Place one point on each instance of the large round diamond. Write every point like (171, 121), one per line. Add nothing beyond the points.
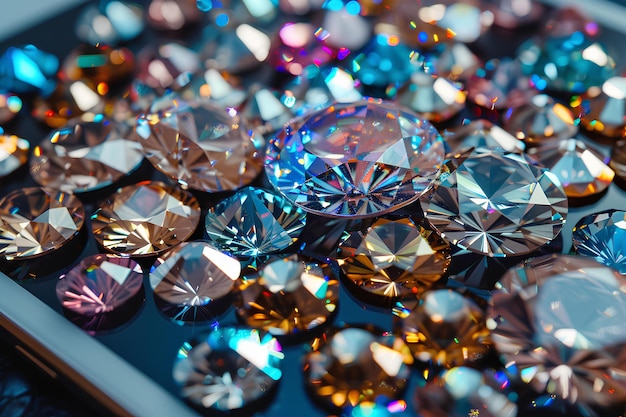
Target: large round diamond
(355, 160)
(496, 204)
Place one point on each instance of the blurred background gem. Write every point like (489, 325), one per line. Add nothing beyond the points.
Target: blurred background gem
(166, 65)
(565, 21)
(84, 156)
(466, 20)
(603, 110)
(296, 49)
(97, 63)
(343, 27)
(173, 14)
(580, 168)
(27, 69)
(227, 14)
(71, 99)
(13, 153)
(512, 14)
(434, 98)
(222, 88)
(541, 119)
(111, 23)
(10, 106)
(499, 84)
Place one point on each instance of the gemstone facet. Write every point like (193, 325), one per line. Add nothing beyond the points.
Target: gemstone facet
(355, 160)
(447, 329)
(193, 275)
(538, 326)
(356, 365)
(99, 284)
(602, 236)
(85, 156)
(201, 146)
(394, 259)
(289, 296)
(145, 219)
(229, 368)
(34, 221)
(496, 204)
(254, 222)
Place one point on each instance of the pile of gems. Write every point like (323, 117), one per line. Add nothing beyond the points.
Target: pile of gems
(418, 157)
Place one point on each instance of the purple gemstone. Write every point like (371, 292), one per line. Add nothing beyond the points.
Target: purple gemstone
(99, 284)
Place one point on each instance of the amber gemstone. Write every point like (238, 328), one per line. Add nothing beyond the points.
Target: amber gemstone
(71, 99)
(34, 221)
(145, 219)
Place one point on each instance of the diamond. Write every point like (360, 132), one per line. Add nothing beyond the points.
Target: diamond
(466, 392)
(264, 110)
(10, 106)
(539, 327)
(541, 119)
(166, 65)
(13, 153)
(85, 156)
(298, 49)
(434, 98)
(602, 236)
(97, 63)
(482, 134)
(499, 84)
(289, 296)
(343, 30)
(228, 369)
(72, 99)
(513, 14)
(145, 219)
(355, 160)
(356, 365)
(446, 329)
(99, 284)
(192, 276)
(496, 204)
(466, 21)
(221, 88)
(602, 110)
(117, 21)
(254, 222)
(202, 146)
(394, 258)
(173, 14)
(579, 167)
(34, 221)
(454, 60)
(569, 64)
(28, 70)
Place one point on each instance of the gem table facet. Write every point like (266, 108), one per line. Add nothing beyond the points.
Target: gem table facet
(355, 160)
(602, 236)
(394, 259)
(13, 153)
(145, 219)
(228, 369)
(202, 146)
(85, 156)
(496, 204)
(254, 222)
(35, 221)
(447, 329)
(539, 326)
(289, 296)
(99, 284)
(194, 274)
(356, 365)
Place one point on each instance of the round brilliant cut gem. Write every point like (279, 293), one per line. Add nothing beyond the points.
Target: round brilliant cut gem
(603, 110)
(202, 146)
(496, 204)
(85, 156)
(355, 160)
(482, 134)
(541, 119)
(499, 84)
(228, 369)
(394, 258)
(194, 274)
(434, 98)
(145, 219)
(35, 221)
(289, 296)
(13, 153)
(99, 284)
(254, 222)
(579, 167)
(356, 365)
(539, 327)
(602, 236)
(446, 329)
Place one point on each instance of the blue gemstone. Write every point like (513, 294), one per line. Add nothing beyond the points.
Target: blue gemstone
(602, 236)
(254, 222)
(28, 70)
